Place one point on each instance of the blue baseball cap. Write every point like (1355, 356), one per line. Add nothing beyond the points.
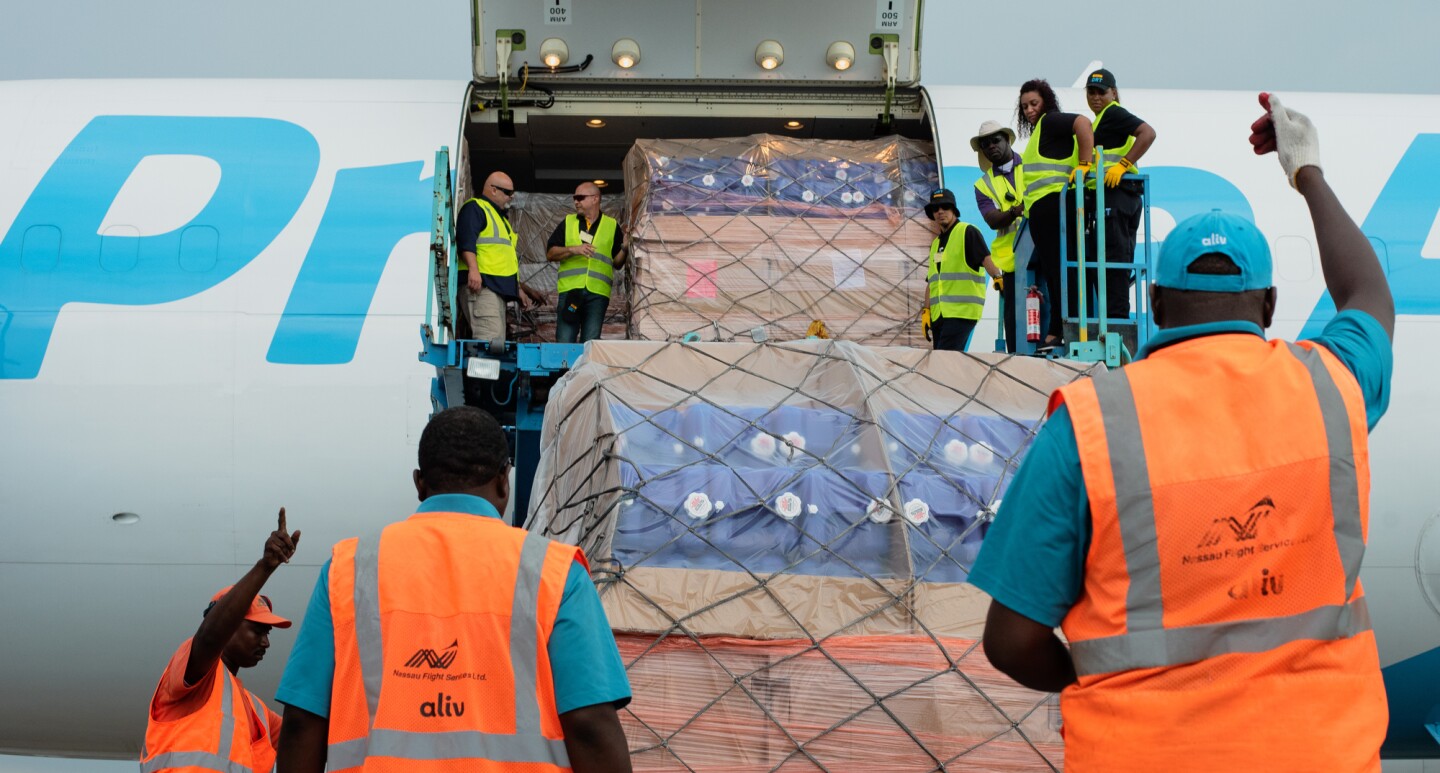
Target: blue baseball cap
(1215, 232)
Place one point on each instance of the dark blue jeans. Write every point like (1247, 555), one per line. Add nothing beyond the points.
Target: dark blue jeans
(579, 316)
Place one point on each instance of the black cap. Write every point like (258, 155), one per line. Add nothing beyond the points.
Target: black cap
(1100, 79)
(938, 198)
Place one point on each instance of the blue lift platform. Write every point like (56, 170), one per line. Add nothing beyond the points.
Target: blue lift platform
(1107, 345)
(509, 379)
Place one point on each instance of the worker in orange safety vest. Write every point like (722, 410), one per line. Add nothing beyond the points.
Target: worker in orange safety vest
(451, 641)
(201, 716)
(1195, 521)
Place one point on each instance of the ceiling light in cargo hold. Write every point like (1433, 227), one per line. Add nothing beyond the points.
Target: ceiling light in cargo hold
(794, 125)
(599, 183)
(840, 55)
(769, 54)
(595, 123)
(625, 53)
(554, 52)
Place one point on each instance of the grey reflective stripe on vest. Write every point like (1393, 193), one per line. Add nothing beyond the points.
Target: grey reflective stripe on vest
(210, 761)
(1134, 503)
(524, 642)
(959, 276)
(260, 712)
(367, 621)
(204, 760)
(492, 240)
(1174, 646)
(1150, 644)
(1344, 481)
(939, 299)
(1060, 177)
(583, 272)
(456, 745)
(526, 745)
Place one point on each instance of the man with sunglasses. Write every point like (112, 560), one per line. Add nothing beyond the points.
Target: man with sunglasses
(959, 261)
(589, 247)
(201, 716)
(489, 271)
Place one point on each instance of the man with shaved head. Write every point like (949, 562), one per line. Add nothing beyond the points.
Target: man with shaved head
(490, 266)
(589, 247)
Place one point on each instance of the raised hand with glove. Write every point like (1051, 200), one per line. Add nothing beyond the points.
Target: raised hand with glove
(1287, 132)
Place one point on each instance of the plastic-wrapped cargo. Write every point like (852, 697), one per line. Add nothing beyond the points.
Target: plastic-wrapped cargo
(772, 232)
(781, 534)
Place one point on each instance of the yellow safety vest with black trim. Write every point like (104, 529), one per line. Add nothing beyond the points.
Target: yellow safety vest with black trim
(1113, 155)
(1040, 175)
(495, 246)
(596, 274)
(998, 189)
(956, 290)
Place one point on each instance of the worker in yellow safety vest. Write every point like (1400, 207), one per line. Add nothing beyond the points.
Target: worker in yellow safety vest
(1196, 521)
(489, 270)
(1061, 146)
(1125, 139)
(956, 275)
(589, 246)
(1002, 207)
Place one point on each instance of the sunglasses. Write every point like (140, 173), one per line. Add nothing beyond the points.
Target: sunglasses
(583, 196)
(506, 191)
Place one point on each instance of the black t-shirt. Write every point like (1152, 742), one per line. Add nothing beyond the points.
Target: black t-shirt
(1057, 134)
(976, 250)
(557, 237)
(1116, 128)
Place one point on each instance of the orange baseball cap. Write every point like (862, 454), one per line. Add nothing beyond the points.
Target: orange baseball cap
(261, 610)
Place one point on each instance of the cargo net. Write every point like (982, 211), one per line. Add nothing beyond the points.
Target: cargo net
(760, 236)
(781, 535)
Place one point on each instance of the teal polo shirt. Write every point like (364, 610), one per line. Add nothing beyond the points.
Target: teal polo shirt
(584, 662)
(1033, 558)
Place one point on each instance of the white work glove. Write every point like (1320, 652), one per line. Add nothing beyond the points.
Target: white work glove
(1287, 132)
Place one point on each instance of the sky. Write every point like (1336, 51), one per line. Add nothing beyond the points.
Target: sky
(1282, 45)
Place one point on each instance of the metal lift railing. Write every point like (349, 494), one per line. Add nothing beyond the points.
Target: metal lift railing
(1108, 346)
(498, 375)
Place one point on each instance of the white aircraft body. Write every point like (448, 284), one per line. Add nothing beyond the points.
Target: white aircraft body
(210, 300)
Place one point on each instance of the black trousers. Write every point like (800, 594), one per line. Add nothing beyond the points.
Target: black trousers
(1011, 297)
(951, 335)
(1124, 207)
(1045, 260)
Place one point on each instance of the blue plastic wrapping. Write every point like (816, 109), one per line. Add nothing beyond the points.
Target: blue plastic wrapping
(736, 463)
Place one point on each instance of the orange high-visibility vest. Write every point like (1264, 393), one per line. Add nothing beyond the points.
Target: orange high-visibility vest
(215, 737)
(1222, 625)
(441, 661)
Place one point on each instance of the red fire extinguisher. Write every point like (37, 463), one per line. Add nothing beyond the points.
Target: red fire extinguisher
(1032, 316)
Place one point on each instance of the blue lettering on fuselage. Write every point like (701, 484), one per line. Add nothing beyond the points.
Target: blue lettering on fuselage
(1398, 225)
(53, 254)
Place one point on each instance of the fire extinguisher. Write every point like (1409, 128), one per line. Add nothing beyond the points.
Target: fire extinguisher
(1032, 316)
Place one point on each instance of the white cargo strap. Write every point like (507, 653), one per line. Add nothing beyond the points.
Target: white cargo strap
(1150, 644)
(527, 744)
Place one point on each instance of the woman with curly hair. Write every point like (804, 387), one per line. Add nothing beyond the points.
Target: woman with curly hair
(1060, 145)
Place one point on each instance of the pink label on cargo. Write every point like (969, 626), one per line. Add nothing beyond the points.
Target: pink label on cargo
(697, 279)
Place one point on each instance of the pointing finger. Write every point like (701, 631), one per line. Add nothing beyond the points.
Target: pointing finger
(282, 521)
